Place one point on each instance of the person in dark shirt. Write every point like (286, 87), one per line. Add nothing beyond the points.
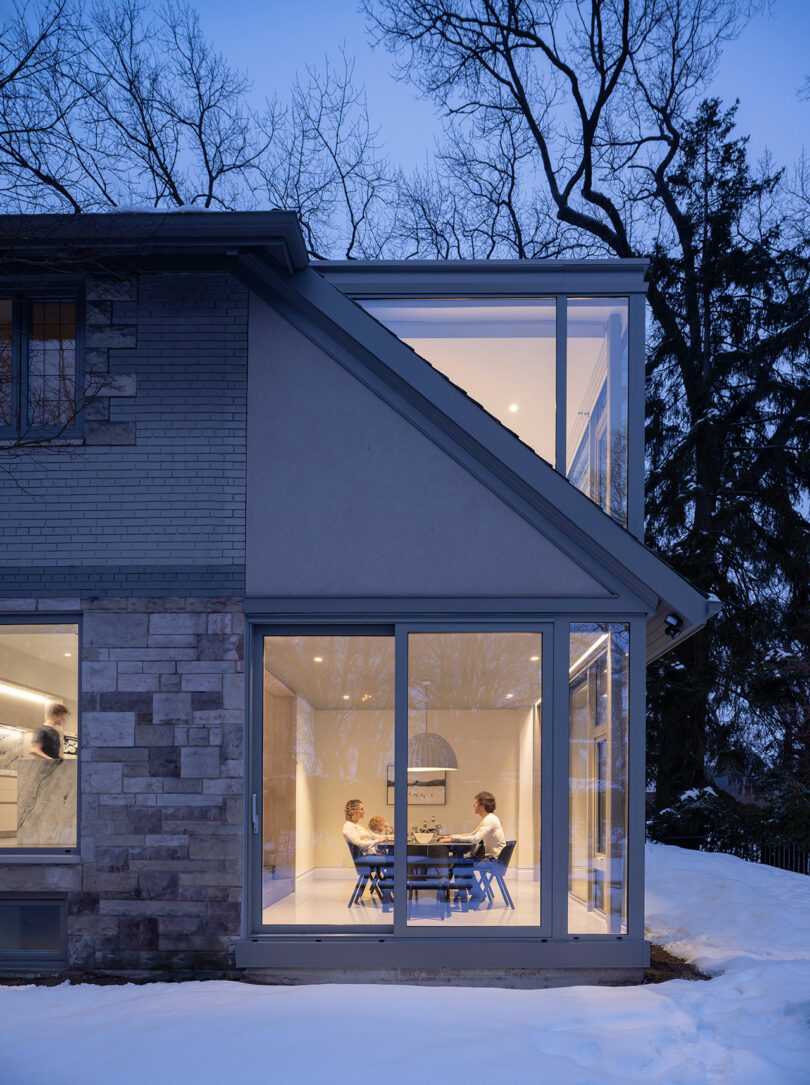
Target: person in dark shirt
(48, 741)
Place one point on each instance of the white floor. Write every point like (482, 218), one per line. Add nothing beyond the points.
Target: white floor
(321, 899)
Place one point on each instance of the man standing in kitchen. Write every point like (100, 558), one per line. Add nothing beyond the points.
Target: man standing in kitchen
(48, 741)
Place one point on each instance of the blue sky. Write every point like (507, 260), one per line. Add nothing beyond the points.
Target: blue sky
(272, 40)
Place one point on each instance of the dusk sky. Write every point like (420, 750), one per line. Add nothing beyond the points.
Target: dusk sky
(764, 68)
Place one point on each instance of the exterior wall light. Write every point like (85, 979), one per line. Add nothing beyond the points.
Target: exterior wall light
(673, 625)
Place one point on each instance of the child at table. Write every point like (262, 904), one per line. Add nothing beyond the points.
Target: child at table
(379, 826)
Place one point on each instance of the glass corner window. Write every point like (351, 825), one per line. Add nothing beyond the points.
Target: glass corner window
(597, 788)
(38, 735)
(596, 401)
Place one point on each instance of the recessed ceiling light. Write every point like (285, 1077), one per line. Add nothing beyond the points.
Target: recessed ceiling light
(509, 696)
(317, 659)
(345, 697)
(513, 407)
(534, 659)
(68, 653)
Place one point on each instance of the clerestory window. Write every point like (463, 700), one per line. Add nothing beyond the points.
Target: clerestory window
(553, 370)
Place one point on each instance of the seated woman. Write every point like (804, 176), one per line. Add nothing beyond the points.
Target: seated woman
(356, 833)
(489, 831)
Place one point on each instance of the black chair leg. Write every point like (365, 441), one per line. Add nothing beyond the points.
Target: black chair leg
(507, 896)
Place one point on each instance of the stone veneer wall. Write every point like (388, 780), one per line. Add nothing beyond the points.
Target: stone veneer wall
(159, 882)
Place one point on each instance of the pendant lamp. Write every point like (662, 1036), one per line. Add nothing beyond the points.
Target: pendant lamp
(429, 751)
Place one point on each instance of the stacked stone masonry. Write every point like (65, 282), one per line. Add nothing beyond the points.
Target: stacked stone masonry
(158, 885)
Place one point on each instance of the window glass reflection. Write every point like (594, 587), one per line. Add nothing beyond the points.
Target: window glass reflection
(596, 401)
(501, 351)
(597, 797)
(328, 739)
(38, 735)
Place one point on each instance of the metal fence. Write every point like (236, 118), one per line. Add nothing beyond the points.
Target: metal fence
(784, 856)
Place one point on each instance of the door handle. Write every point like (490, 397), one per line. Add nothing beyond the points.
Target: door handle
(255, 813)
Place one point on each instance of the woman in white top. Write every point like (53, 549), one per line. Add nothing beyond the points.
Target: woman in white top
(356, 833)
(489, 830)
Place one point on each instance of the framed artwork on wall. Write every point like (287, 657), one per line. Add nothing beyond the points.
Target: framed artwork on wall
(424, 788)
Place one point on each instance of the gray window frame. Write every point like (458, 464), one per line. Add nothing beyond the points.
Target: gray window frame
(553, 928)
(39, 617)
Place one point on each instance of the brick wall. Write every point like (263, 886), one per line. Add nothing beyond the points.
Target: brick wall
(159, 882)
(155, 492)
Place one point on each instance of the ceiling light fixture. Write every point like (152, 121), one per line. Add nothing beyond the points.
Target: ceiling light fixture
(346, 697)
(534, 659)
(509, 696)
(588, 652)
(513, 407)
(317, 659)
(24, 694)
(429, 751)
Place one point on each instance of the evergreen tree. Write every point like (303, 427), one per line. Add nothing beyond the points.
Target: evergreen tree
(727, 428)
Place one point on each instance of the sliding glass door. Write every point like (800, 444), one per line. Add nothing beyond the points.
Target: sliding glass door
(475, 709)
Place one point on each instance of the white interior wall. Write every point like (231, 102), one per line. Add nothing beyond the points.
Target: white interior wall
(344, 755)
(305, 825)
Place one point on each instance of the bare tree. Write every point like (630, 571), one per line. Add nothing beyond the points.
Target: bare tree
(593, 106)
(326, 166)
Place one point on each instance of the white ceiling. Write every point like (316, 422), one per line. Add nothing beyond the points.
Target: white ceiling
(451, 670)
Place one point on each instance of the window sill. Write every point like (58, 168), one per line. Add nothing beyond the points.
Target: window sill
(7, 858)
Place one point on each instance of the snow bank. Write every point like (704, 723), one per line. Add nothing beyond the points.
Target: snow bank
(750, 1024)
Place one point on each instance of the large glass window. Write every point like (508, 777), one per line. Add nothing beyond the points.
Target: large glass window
(597, 798)
(596, 401)
(474, 726)
(38, 735)
(501, 351)
(328, 748)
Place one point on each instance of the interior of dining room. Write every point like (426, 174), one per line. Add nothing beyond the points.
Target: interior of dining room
(328, 738)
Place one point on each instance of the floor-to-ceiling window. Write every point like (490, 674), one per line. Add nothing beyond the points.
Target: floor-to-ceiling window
(597, 799)
(326, 821)
(327, 744)
(474, 732)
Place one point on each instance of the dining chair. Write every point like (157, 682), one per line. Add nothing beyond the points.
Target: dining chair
(495, 870)
(370, 871)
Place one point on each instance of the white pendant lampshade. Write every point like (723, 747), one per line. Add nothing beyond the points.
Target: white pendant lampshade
(430, 751)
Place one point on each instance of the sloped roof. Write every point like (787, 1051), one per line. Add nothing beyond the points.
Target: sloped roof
(499, 457)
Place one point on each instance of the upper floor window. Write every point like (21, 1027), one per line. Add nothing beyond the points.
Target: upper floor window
(501, 351)
(38, 365)
(504, 353)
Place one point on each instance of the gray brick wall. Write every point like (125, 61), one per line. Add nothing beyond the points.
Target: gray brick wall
(156, 493)
(159, 883)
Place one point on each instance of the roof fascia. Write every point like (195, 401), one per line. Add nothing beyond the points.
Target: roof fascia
(276, 234)
(479, 278)
(464, 430)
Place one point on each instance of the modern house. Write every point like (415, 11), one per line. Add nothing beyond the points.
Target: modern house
(280, 535)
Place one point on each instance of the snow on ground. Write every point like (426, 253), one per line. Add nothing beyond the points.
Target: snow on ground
(748, 925)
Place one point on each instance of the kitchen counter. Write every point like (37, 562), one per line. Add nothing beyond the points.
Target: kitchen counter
(46, 803)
